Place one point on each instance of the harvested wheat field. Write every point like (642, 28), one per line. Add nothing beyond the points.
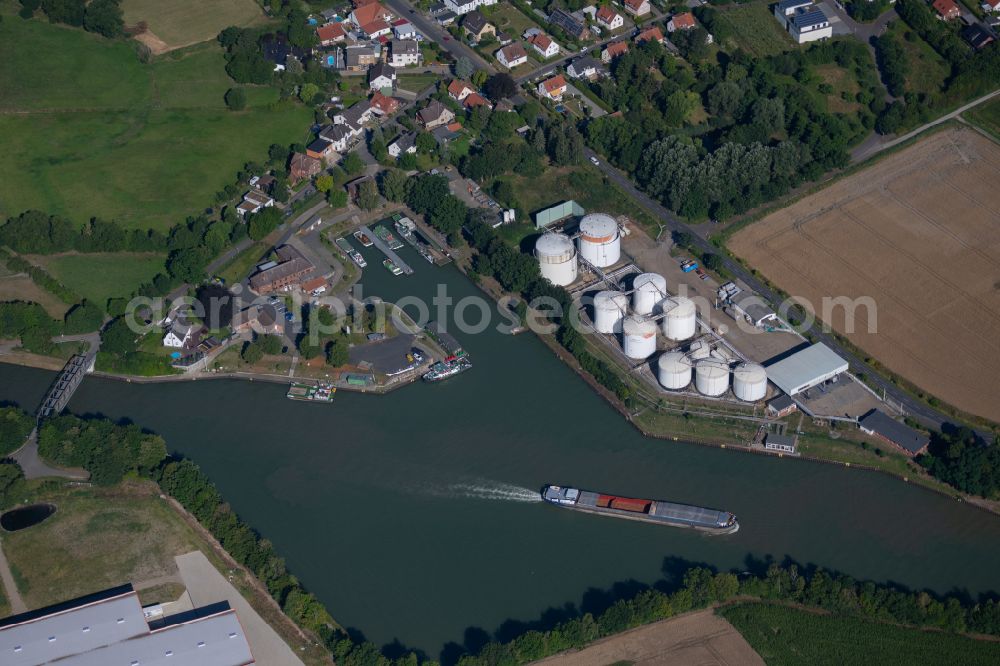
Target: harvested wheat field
(919, 233)
(179, 23)
(701, 638)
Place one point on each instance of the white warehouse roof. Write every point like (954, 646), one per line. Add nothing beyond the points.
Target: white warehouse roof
(805, 369)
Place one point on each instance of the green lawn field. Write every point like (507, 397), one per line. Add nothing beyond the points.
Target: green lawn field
(183, 22)
(755, 30)
(987, 116)
(101, 276)
(90, 131)
(783, 635)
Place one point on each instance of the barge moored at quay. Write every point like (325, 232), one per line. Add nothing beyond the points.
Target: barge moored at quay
(711, 521)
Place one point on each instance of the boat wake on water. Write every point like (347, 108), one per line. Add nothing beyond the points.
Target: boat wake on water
(487, 490)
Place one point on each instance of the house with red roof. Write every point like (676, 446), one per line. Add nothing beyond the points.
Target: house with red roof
(383, 105)
(683, 21)
(367, 14)
(330, 33)
(459, 90)
(636, 7)
(612, 20)
(653, 34)
(553, 88)
(545, 45)
(613, 50)
(947, 9)
(473, 100)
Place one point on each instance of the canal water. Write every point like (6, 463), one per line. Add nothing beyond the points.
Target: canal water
(414, 516)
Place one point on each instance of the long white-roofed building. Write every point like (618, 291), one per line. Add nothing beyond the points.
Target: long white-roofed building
(109, 628)
(805, 369)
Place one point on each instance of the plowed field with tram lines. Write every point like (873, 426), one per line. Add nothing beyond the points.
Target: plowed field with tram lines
(919, 233)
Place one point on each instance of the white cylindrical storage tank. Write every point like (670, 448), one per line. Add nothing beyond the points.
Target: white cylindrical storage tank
(556, 258)
(639, 337)
(711, 377)
(649, 290)
(609, 310)
(750, 382)
(673, 369)
(679, 318)
(699, 350)
(600, 243)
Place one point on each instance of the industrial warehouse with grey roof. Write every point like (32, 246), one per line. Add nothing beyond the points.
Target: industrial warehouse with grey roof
(807, 368)
(109, 628)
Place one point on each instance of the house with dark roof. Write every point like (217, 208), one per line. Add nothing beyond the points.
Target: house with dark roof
(586, 68)
(976, 36)
(404, 52)
(809, 24)
(340, 136)
(476, 26)
(381, 75)
(291, 268)
(878, 424)
(406, 143)
(276, 49)
(321, 149)
(359, 58)
(569, 24)
(435, 114)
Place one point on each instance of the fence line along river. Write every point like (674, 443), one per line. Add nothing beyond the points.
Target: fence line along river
(387, 506)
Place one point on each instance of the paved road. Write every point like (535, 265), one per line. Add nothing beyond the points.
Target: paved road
(914, 407)
(35, 468)
(435, 33)
(876, 143)
(207, 586)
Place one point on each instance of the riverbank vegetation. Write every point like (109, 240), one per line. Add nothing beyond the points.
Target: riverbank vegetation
(787, 635)
(698, 587)
(15, 425)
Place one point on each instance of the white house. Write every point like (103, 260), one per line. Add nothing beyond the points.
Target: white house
(991, 6)
(179, 334)
(460, 7)
(403, 53)
(406, 143)
(636, 7)
(511, 56)
(786, 8)
(381, 76)
(609, 18)
(339, 136)
(553, 88)
(545, 45)
(459, 90)
(809, 25)
(404, 30)
(253, 201)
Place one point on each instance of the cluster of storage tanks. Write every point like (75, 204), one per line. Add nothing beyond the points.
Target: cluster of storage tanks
(599, 243)
(711, 375)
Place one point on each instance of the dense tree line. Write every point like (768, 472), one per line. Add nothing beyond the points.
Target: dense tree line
(29, 323)
(768, 131)
(892, 61)
(101, 16)
(105, 449)
(39, 277)
(34, 232)
(11, 483)
(962, 459)
(867, 10)
(15, 425)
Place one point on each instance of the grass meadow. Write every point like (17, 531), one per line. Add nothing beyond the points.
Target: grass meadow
(183, 22)
(101, 276)
(90, 131)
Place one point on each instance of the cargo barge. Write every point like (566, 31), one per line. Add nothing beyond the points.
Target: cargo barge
(711, 521)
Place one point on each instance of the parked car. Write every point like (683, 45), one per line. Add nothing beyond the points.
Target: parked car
(595, 161)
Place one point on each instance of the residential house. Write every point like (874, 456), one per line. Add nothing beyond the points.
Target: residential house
(780, 406)
(571, 25)
(976, 36)
(636, 7)
(504, 39)
(321, 149)
(511, 56)
(301, 167)
(359, 58)
(544, 45)
(906, 439)
(340, 136)
(991, 6)
(383, 105)
(253, 201)
(329, 15)
(613, 50)
(809, 25)
(653, 34)
(459, 90)
(261, 319)
(355, 115)
(585, 68)
(406, 143)
(182, 334)
(435, 114)
(368, 14)
(404, 52)
(375, 29)
(785, 8)
(276, 49)
(609, 18)
(475, 100)
(446, 18)
(330, 33)
(380, 76)
(445, 134)
(553, 88)
(476, 26)
(263, 183)
(683, 21)
(460, 7)
(403, 29)
(291, 269)
(947, 9)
